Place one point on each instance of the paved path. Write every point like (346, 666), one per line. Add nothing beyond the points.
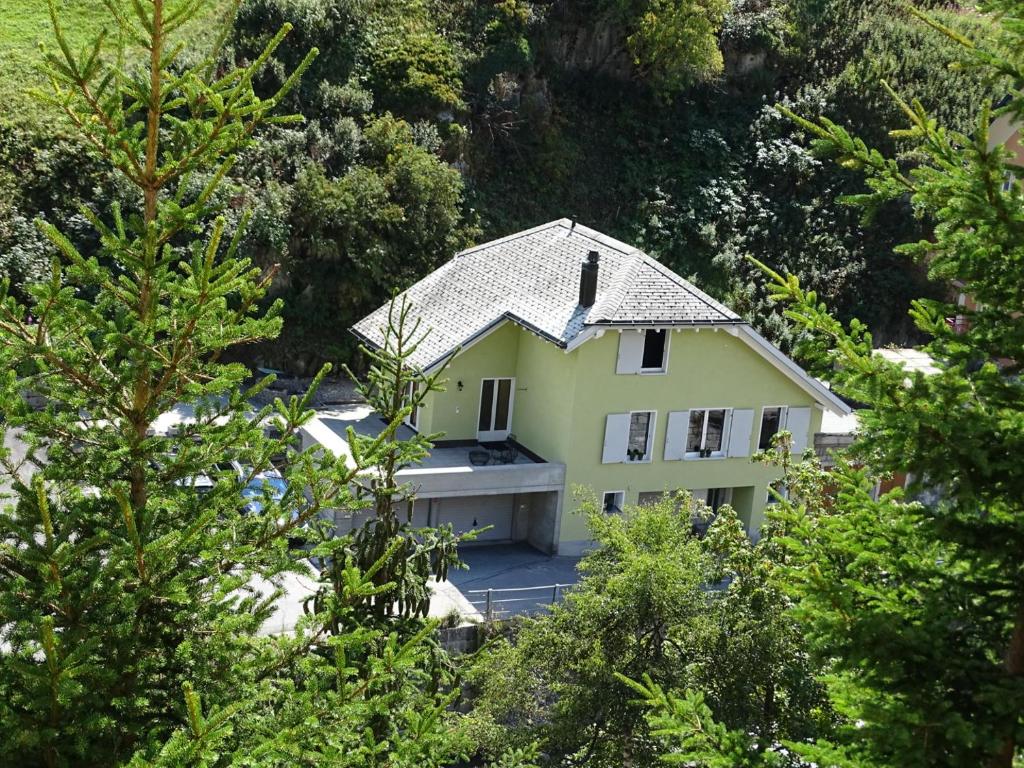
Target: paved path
(296, 588)
(513, 566)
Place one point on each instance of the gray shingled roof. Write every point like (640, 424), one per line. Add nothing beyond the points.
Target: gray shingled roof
(532, 278)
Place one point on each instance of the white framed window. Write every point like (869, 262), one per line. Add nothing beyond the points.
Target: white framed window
(1008, 180)
(773, 417)
(643, 351)
(776, 418)
(628, 437)
(613, 501)
(655, 352)
(495, 418)
(641, 436)
(414, 416)
(706, 433)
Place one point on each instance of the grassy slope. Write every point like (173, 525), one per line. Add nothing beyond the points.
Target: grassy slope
(26, 23)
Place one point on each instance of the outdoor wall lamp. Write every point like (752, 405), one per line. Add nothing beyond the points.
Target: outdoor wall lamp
(459, 385)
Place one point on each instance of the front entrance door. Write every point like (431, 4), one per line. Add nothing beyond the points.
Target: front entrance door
(495, 409)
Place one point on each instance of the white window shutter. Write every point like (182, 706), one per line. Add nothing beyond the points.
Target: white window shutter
(739, 432)
(798, 423)
(631, 352)
(616, 438)
(675, 435)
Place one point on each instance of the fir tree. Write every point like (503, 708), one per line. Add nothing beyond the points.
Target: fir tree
(920, 605)
(129, 598)
(396, 389)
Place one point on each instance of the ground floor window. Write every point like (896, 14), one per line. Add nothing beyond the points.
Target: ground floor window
(649, 498)
(613, 501)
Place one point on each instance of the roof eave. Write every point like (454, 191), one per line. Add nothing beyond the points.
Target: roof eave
(822, 394)
(480, 334)
(666, 323)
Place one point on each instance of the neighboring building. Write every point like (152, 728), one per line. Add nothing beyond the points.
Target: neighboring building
(605, 370)
(838, 431)
(1005, 132)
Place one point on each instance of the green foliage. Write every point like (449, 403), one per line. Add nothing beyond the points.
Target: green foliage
(408, 64)
(51, 177)
(644, 607)
(132, 602)
(26, 25)
(520, 757)
(674, 42)
(921, 605)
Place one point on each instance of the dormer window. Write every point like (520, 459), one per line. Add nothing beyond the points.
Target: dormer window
(655, 347)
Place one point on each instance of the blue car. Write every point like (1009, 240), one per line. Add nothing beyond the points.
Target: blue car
(263, 487)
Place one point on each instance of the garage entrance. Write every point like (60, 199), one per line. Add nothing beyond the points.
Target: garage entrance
(513, 517)
(473, 513)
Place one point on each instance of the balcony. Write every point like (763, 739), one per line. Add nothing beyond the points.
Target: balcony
(508, 499)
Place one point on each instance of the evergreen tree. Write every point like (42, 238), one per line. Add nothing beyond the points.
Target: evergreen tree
(395, 389)
(132, 560)
(920, 605)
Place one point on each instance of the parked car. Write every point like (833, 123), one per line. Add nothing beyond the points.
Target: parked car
(268, 486)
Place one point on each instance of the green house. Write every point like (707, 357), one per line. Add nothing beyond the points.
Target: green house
(577, 360)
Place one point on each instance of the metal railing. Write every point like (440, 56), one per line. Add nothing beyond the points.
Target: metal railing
(493, 604)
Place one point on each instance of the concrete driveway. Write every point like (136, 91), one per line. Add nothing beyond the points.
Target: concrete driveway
(512, 567)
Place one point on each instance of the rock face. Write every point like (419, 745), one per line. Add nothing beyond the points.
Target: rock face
(596, 47)
(740, 63)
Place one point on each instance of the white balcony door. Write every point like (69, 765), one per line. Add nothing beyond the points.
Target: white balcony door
(495, 409)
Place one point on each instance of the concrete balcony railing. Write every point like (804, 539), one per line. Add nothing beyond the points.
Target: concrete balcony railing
(448, 470)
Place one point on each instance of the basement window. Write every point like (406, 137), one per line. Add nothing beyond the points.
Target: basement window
(655, 351)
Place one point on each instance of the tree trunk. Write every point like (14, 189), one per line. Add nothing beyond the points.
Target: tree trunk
(768, 716)
(1015, 671)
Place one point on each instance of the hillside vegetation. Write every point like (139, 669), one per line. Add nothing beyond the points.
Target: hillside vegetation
(430, 125)
(25, 25)
(223, 593)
